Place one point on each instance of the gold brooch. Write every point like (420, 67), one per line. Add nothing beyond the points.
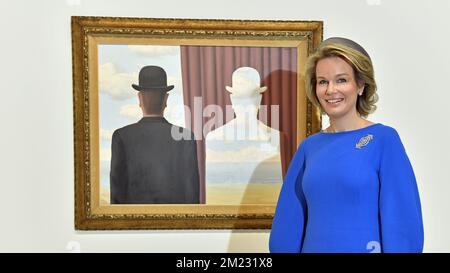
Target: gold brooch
(364, 141)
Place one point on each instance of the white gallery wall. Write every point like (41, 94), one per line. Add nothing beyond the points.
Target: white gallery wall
(407, 40)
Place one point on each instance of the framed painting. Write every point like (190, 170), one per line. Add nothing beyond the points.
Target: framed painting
(187, 124)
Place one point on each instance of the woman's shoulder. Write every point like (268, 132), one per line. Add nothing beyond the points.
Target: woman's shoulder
(310, 142)
(386, 131)
(309, 139)
(388, 136)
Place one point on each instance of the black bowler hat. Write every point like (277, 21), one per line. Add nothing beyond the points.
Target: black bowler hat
(152, 78)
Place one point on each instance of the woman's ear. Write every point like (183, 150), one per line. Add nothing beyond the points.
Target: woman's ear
(361, 85)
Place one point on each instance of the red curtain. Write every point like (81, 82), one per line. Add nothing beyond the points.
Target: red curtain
(206, 70)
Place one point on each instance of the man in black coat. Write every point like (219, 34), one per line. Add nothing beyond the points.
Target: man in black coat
(149, 165)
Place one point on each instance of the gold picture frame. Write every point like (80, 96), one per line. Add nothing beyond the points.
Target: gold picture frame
(89, 32)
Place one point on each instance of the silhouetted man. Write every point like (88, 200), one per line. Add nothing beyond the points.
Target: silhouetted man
(148, 166)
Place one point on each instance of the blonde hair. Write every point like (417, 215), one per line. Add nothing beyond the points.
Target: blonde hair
(362, 68)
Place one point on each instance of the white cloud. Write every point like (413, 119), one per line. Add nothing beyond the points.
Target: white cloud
(175, 81)
(105, 134)
(154, 51)
(105, 154)
(131, 111)
(116, 84)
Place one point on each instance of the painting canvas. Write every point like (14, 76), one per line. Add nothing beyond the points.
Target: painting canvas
(238, 89)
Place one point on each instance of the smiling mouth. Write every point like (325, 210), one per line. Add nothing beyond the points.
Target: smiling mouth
(334, 101)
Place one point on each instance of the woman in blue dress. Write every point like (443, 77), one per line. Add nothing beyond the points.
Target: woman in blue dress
(350, 187)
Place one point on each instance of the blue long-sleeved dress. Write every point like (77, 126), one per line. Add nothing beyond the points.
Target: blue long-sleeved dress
(351, 191)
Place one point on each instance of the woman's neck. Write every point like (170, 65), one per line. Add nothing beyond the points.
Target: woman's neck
(346, 124)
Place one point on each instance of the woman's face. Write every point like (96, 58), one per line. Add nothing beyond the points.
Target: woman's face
(336, 87)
